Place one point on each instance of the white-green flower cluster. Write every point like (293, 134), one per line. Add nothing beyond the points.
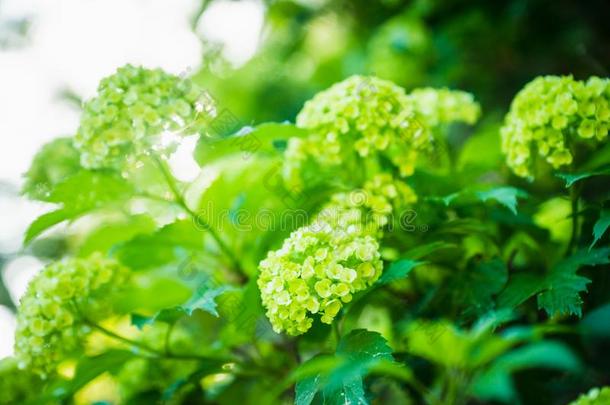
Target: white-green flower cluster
(16, 386)
(366, 118)
(133, 110)
(596, 396)
(361, 115)
(52, 313)
(442, 106)
(320, 266)
(549, 115)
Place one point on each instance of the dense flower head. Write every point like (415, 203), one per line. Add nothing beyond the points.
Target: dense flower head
(52, 314)
(549, 115)
(363, 115)
(320, 266)
(596, 396)
(16, 386)
(135, 109)
(442, 106)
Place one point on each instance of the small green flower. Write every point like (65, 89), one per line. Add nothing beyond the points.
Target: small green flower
(549, 115)
(370, 118)
(321, 265)
(134, 109)
(442, 106)
(360, 117)
(50, 316)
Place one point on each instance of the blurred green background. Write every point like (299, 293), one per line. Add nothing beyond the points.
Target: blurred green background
(490, 48)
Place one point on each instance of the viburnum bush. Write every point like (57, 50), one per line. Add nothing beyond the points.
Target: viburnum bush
(381, 249)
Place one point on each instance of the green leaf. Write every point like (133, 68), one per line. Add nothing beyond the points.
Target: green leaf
(44, 222)
(563, 286)
(140, 321)
(571, 178)
(341, 382)
(364, 347)
(506, 196)
(563, 295)
(520, 288)
(398, 270)
(247, 141)
(205, 367)
(601, 226)
(596, 322)
(496, 382)
(203, 299)
(56, 161)
(151, 293)
(83, 192)
(166, 245)
(480, 284)
(306, 390)
(5, 297)
(443, 343)
(88, 189)
(113, 232)
(89, 368)
(422, 251)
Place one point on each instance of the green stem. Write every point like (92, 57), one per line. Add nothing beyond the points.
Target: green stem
(179, 199)
(123, 339)
(151, 350)
(574, 197)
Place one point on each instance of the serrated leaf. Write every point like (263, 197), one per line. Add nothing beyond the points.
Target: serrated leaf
(506, 196)
(563, 286)
(205, 300)
(563, 295)
(359, 351)
(601, 226)
(571, 178)
(398, 270)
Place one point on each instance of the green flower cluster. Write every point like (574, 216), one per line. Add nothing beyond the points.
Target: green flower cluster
(16, 386)
(320, 266)
(441, 106)
(596, 396)
(365, 115)
(136, 109)
(549, 115)
(52, 314)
